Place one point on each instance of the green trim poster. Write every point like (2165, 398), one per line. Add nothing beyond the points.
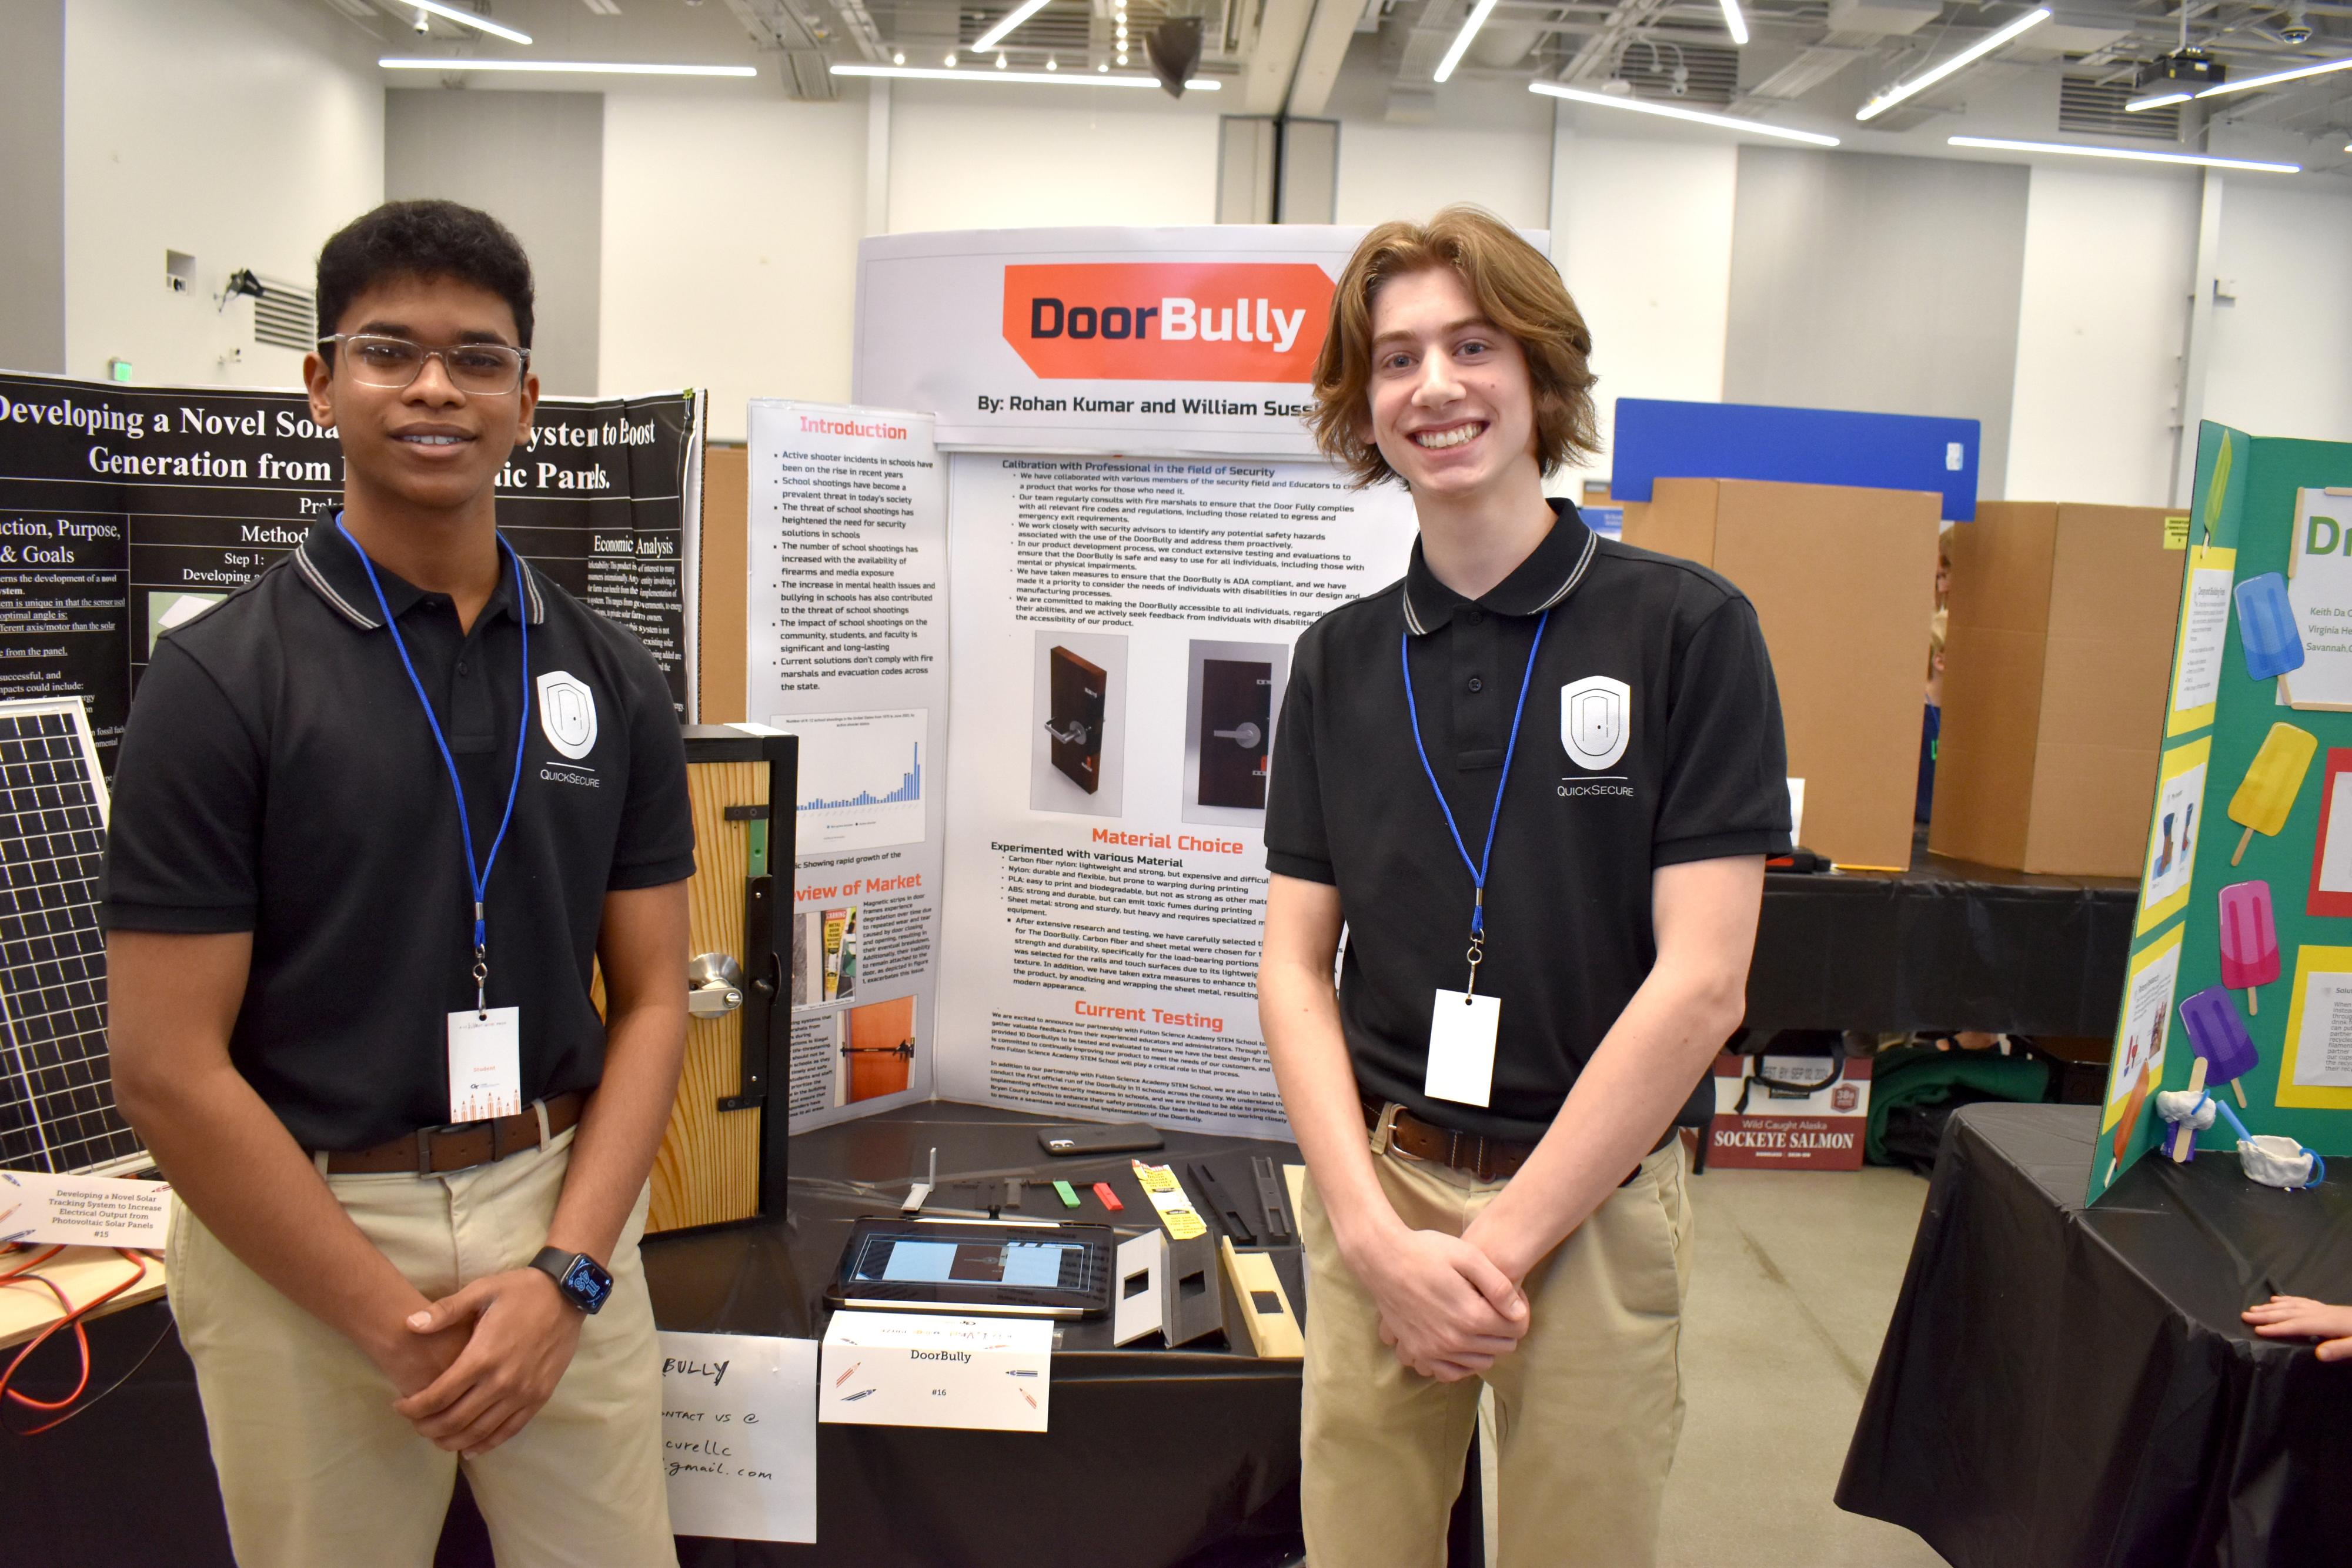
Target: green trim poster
(2241, 949)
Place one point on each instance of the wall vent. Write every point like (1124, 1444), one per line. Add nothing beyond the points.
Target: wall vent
(286, 317)
(2096, 109)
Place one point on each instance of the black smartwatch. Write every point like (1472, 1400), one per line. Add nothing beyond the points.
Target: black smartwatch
(579, 1276)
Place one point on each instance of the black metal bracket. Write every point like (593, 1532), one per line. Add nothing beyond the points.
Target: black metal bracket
(746, 813)
(759, 996)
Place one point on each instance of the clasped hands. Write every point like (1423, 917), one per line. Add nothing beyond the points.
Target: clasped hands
(475, 1366)
(1447, 1309)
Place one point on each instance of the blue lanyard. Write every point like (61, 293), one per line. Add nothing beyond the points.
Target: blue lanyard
(479, 875)
(1486, 857)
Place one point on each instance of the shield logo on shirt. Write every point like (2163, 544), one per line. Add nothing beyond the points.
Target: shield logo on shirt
(567, 714)
(1596, 718)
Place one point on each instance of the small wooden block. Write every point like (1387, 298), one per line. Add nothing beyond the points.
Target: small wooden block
(1265, 1304)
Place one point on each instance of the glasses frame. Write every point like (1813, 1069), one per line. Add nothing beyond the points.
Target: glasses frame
(522, 362)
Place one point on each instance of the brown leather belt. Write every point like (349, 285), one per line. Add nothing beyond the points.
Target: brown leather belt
(437, 1151)
(1484, 1159)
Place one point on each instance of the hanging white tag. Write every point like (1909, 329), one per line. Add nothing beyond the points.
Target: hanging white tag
(485, 1064)
(1462, 1048)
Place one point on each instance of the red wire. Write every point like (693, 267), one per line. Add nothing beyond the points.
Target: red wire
(74, 1319)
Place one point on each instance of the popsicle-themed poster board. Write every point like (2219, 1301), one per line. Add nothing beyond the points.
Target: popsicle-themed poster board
(2242, 950)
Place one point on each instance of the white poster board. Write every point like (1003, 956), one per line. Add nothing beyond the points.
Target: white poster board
(1159, 341)
(1101, 935)
(848, 652)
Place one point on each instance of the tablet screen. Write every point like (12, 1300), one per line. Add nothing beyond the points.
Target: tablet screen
(1053, 1265)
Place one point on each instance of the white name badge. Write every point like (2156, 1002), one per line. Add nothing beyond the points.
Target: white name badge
(1462, 1048)
(486, 1064)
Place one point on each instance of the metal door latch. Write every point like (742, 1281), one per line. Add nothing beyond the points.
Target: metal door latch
(714, 983)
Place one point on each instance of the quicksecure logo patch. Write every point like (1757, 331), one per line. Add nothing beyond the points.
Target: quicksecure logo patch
(1174, 321)
(1595, 720)
(567, 714)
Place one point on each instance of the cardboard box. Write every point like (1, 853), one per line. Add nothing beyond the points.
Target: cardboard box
(1843, 581)
(2056, 658)
(1818, 1124)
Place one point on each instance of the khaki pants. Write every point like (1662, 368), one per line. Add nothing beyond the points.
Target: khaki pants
(1587, 1408)
(316, 1468)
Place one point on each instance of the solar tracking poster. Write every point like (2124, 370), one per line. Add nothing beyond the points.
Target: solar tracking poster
(2240, 978)
(126, 510)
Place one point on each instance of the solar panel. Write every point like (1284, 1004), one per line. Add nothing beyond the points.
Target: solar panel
(57, 1086)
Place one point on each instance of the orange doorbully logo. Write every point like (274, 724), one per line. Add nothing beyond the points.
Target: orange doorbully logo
(1168, 321)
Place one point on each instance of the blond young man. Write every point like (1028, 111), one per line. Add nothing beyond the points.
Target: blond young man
(1536, 782)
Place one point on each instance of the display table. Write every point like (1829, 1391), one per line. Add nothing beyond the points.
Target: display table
(2063, 1386)
(1154, 1457)
(1945, 944)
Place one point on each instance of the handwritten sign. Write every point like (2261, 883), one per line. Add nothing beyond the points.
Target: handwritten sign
(738, 1436)
(83, 1211)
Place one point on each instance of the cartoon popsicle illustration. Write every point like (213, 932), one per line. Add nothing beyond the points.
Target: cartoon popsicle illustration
(2129, 1120)
(2266, 627)
(2218, 1035)
(2272, 779)
(2250, 952)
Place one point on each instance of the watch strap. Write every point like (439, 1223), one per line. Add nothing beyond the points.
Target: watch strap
(556, 1264)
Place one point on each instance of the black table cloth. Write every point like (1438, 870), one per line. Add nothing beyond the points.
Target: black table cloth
(2071, 1388)
(1945, 944)
(1155, 1457)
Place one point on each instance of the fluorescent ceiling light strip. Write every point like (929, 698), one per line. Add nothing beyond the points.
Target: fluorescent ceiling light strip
(2158, 101)
(1018, 14)
(1967, 56)
(2297, 74)
(1454, 51)
(1727, 123)
(592, 67)
(1734, 21)
(2133, 153)
(1054, 78)
(467, 19)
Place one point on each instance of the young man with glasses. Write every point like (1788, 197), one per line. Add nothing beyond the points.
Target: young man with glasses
(1536, 781)
(353, 917)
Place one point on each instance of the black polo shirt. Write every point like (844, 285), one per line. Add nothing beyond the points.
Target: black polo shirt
(1652, 736)
(277, 776)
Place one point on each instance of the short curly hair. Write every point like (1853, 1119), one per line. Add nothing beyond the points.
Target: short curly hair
(424, 239)
(1516, 287)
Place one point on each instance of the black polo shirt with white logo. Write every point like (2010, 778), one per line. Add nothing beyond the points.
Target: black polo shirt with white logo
(278, 776)
(1651, 737)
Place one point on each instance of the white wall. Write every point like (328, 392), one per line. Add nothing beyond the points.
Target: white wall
(731, 247)
(241, 131)
(2282, 360)
(2108, 255)
(996, 158)
(1411, 170)
(1642, 232)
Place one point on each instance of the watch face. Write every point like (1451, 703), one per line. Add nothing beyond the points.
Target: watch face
(587, 1283)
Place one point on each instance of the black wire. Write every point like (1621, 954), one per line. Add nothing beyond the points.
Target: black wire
(51, 1426)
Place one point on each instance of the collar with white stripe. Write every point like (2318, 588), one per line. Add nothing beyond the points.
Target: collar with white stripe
(1549, 574)
(326, 561)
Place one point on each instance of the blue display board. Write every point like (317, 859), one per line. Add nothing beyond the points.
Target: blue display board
(1658, 439)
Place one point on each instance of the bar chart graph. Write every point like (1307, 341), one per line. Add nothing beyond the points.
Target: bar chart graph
(862, 778)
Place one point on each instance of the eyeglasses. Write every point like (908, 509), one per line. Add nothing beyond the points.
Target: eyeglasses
(478, 370)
